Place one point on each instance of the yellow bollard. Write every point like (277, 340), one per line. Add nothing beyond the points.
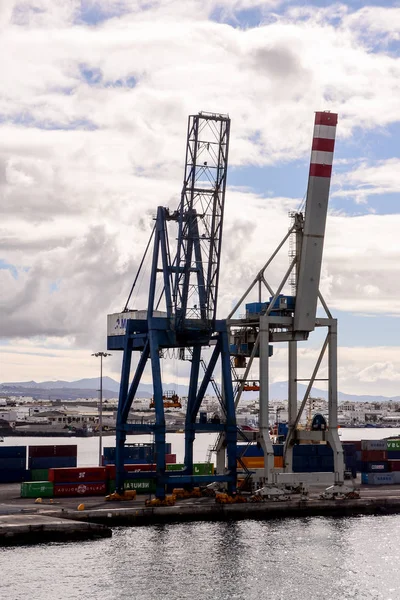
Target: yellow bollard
(81, 507)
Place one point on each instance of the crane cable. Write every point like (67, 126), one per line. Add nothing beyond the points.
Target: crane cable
(139, 269)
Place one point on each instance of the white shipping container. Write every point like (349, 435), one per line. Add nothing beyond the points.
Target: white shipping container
(116, 323)
(380, 478)
(373, 445)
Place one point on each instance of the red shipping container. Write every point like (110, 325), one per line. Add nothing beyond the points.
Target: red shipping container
(373, 455)
(80, 489)
(78, 474)
(394, 465)
(111, 469)
(170, 459)
(46, 451)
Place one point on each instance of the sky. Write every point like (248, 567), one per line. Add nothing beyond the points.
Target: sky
(94, 100)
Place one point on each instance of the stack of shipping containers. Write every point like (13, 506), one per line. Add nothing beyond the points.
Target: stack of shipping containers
(43, 458)
(13, 464)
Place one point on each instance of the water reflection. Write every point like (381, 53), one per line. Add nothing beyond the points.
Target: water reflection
(307, 559)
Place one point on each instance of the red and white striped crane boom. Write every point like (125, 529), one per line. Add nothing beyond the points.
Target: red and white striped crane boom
(309, 266)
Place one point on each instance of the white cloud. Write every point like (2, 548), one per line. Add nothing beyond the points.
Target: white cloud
(382, 177)
(77, 205)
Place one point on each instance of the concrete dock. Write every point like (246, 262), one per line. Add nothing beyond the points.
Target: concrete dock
(37, 529)
(24, 521)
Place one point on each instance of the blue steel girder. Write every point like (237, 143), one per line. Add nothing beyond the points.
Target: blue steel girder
(190, 287)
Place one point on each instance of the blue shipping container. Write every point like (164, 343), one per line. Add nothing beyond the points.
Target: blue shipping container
(323, 450)
(393, 454)
(135, 451)
(349, 449)
(12, 463)
(51, 462)
(278, 449)
(304, 450)
(13, 475)
(249, 450)
(377, 478)
(13, 452)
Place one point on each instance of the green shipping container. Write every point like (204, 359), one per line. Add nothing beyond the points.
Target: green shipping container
(36, 489)
(175, 467)
(142, 486)
(198, 468)
(393, 444)
(39, 474)
(203, 469)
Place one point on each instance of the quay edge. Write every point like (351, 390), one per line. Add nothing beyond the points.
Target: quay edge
(21, 529)
(210, 511)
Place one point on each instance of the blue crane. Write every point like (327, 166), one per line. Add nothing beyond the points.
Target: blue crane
(184, 315)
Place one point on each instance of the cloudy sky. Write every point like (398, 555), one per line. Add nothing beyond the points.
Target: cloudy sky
(94, 99)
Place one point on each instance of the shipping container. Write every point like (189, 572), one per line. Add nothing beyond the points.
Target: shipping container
(278, 449)
(170, 459)
(374, 445)
(14, 475)
(37, 489)
(39, 474)
(373, 467)
(135, 468)
(278, 462)
(349, 449)
(142, 486)
(203, 468)
(394, 465)
(393, 444)
(13, 452)
(304, 449)
(323, 450)
(80, 489)
(174, 467)
(377, 478)
(393, 454)
(135, 451)
(396, 477)
(12, 463)
(78, 475)
(356, 443)
(252, 462)
(373, 455)
(46, 451)
(249, 450)
(198, 468)
(51, 462)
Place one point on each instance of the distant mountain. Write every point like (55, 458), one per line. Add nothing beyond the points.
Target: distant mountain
(83, 384)
(89, 388)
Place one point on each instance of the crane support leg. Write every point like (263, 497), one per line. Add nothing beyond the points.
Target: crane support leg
(123, 393)
(189, 423)
(333, 435)
(159, 429)
(263, 435)
(231, 429)
(292, 399)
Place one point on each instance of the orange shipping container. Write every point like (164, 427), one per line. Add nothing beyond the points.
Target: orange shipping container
(278, 462)
(252, 462)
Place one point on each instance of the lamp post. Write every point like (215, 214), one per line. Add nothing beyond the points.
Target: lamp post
(102, 355)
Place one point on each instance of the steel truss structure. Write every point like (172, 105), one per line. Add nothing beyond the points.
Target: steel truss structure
(188, 302)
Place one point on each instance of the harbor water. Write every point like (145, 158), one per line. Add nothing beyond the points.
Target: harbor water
(306, 559)
(303, 558)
